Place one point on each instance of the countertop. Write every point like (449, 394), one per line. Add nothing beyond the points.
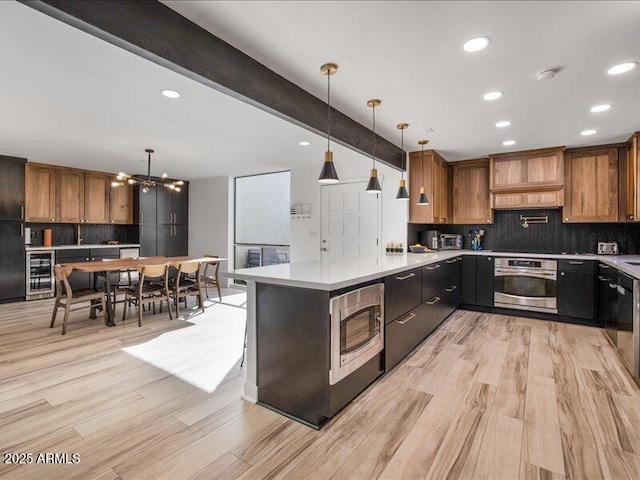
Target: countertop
(83, 246)
(331, 275)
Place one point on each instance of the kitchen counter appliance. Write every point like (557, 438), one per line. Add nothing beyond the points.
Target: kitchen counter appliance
(357, 330)
(450, 241)
(431, 239)
(526, 284)
(608, 248)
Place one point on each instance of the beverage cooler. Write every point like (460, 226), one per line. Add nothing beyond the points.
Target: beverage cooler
(40, 280)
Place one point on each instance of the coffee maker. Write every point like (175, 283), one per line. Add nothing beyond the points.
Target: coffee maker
(431, 239)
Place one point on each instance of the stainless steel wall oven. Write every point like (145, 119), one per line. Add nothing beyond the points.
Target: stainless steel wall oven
(526, 284)
(357, 330)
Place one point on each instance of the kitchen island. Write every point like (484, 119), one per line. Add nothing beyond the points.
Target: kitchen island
(295, 298)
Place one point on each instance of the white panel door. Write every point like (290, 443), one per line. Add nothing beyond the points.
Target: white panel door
(350, 221)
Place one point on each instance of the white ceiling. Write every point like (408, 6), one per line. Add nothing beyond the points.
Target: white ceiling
(69, 98)
(409, 54)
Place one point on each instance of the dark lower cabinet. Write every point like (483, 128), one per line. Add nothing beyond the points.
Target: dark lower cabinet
(484, 281)
(469, 274)
(12, 261)
(453, 283)
(77, 280)
(403, 335)
(577, 288)
(402, 292)
(147, 239)
(604, 281)
(172, 240)
(432, 280)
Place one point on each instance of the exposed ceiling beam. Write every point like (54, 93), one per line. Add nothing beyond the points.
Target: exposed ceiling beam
(154, 31)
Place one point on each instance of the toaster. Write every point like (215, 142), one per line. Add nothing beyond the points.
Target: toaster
(608, 248)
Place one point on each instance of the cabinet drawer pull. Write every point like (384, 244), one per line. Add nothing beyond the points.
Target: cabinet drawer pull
(451, 288)
(406, 276)
(21, 212)
(575, 263)
(453, 260)
(604, 279)
(603, 266)
(409, 317)
(434, 301)
(433, 267)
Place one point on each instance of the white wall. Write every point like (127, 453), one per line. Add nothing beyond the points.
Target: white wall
(305, 233)
(211, 218)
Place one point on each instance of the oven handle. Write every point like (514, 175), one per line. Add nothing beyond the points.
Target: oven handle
(525, 273)
(409, 317)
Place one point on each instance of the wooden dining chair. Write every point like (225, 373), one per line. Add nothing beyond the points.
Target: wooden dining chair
(183, 285)
(209, 277)
(66, 297)
(152, 286)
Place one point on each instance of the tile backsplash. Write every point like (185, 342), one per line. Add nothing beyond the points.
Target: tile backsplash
(65, 234)
(507, 234)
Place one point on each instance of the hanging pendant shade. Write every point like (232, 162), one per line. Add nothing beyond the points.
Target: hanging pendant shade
(422, 199)
(328, 174)
(374, 185)
(402, 194)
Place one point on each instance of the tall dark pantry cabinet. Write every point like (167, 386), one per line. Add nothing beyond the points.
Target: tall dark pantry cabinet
(12, 256)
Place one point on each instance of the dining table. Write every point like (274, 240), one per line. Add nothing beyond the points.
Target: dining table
(119, 265)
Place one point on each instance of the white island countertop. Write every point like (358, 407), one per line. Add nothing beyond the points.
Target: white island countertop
(331, 275)
(81, 246)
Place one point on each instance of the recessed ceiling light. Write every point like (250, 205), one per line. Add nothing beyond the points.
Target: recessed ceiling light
(503, 123)
(305, 144)
(508, 143)
(588, 132)
(622, 68)
(476, 44)
(171, 93)
(601, 108)
(492, 95)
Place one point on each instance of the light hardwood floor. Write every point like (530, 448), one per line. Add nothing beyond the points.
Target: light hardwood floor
(485, 397)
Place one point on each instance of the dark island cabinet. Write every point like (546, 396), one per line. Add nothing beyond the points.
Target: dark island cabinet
(432, 280)
(484, 281)
(402, 292)
(577, 288)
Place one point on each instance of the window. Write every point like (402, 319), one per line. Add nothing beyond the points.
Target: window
(262, 219)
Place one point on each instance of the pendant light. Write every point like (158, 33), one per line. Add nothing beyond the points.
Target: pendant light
(374, 185)
(147, 182)
(328, 174)
(403, 194)
(422, 199)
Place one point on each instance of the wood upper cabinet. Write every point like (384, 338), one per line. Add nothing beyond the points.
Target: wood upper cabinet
(591, 185)
(121, 205)
(40, 194)
(69, 196)
(430, 172)
(528, 179)
(471, 197)
(96, 198)
(629, 204)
